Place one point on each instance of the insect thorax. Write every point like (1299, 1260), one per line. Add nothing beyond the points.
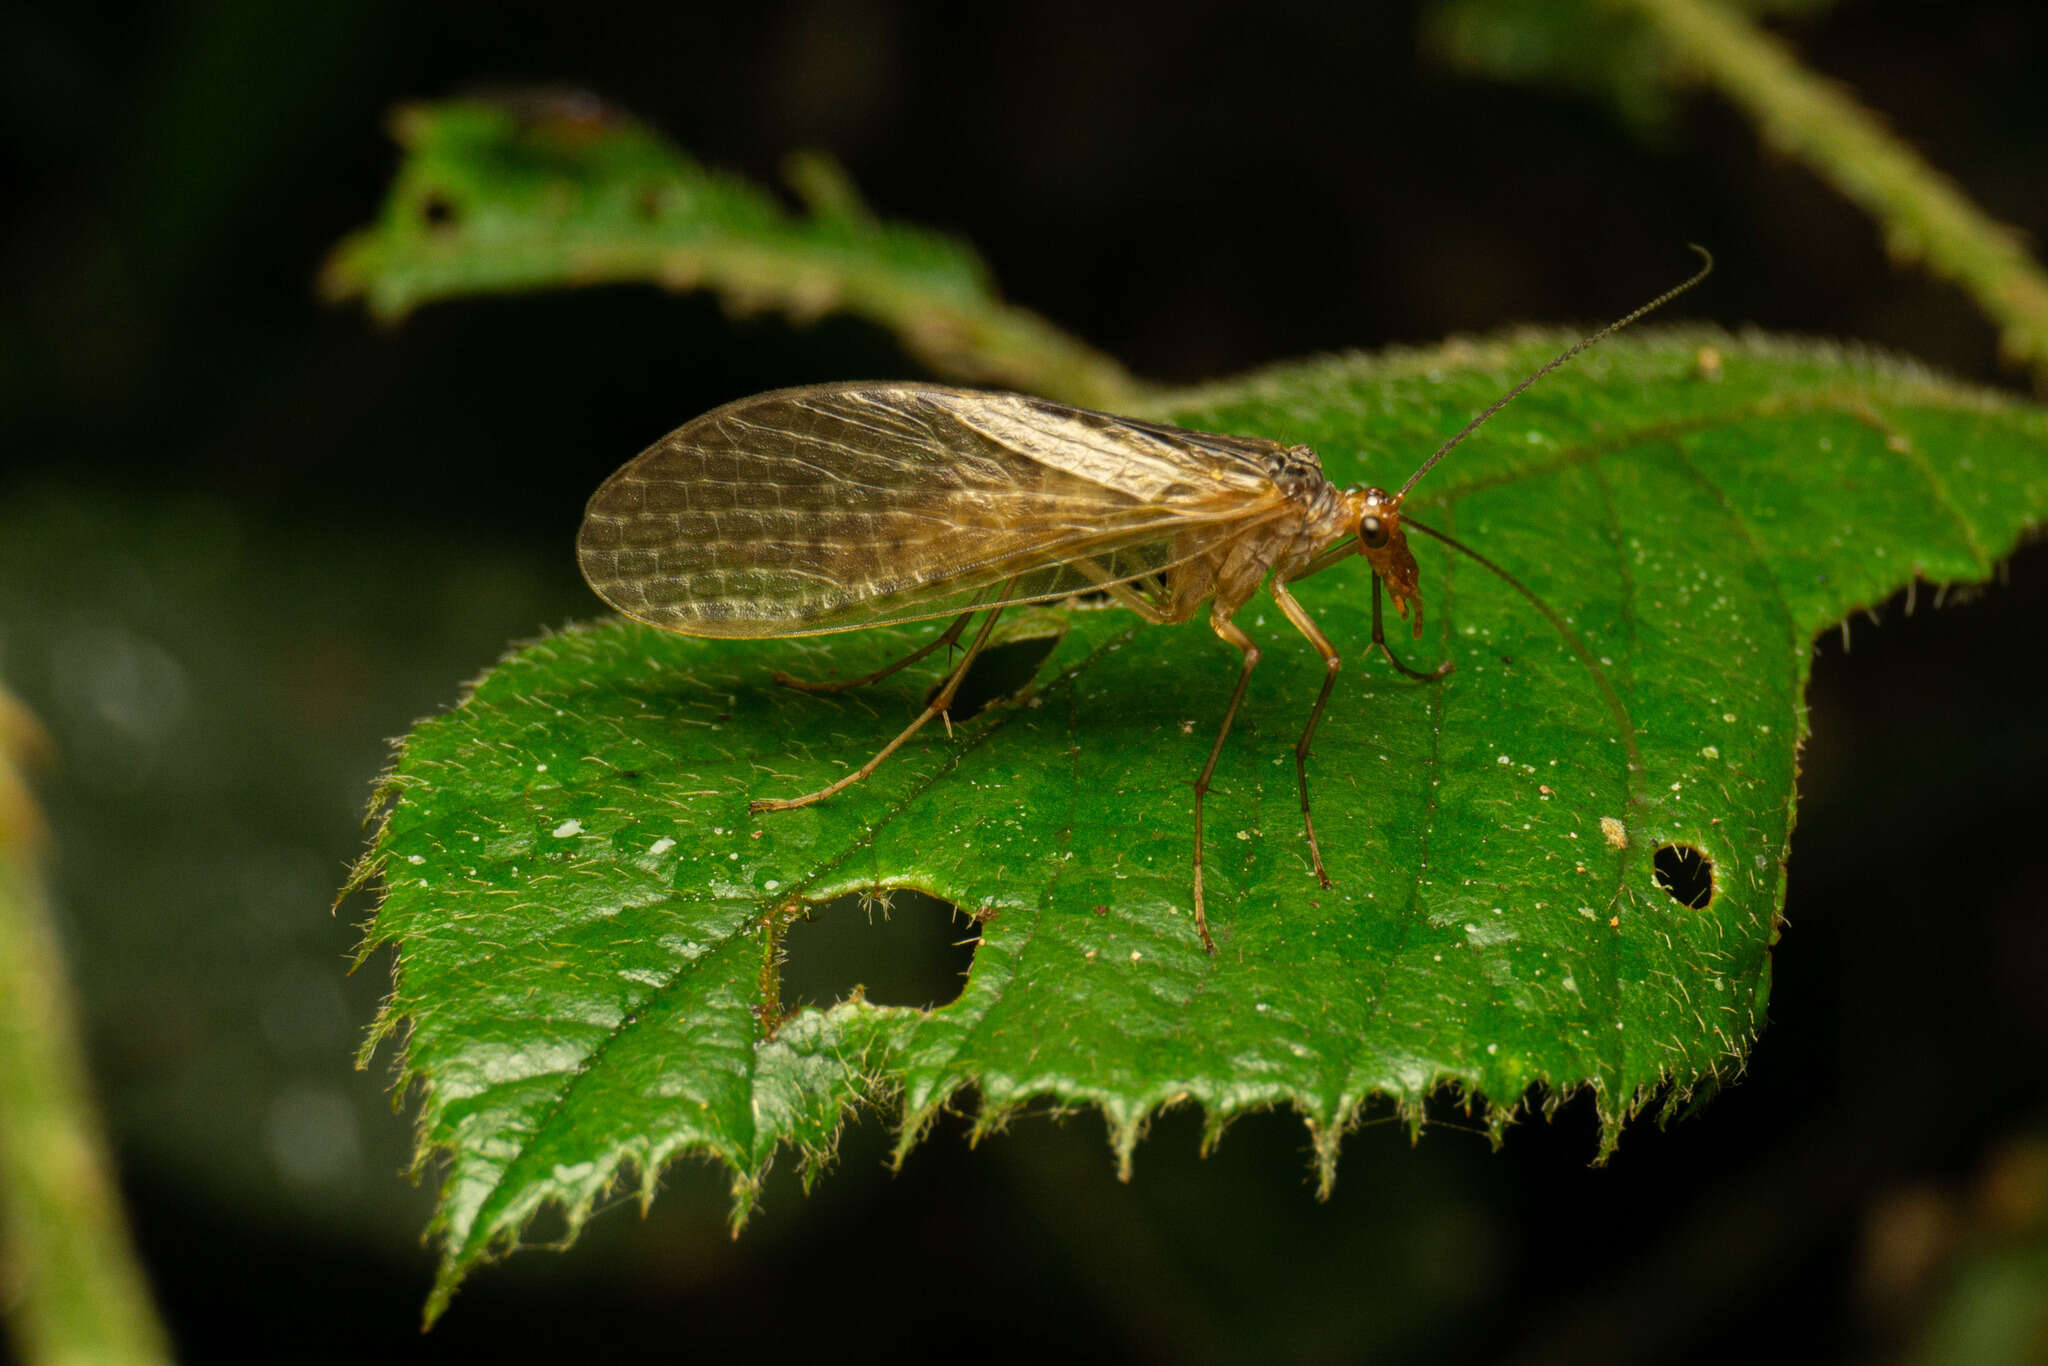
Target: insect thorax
(1297, 472)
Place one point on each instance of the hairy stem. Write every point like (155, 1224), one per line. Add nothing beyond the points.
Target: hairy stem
(1923, 215)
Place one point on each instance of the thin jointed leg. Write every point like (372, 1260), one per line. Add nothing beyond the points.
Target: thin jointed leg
(938, 705)
(1123, 593)
(946, 637)
(1231, 632)
(1303, 623)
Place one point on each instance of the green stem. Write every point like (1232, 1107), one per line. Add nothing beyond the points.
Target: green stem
(69, 1282)
(1924, 217)
(998, 343)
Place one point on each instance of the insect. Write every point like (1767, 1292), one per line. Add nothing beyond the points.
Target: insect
(843, 506)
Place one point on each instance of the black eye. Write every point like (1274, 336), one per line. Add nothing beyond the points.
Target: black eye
(1372, 531)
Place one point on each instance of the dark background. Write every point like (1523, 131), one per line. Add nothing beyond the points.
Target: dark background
(246, 537)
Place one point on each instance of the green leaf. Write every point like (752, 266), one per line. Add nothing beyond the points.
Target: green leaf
(588, 922)
(542, 191)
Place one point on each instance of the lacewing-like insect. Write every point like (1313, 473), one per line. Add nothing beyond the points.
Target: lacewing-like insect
(843, 506)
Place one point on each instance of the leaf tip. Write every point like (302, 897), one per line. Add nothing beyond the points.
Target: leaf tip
(917, 1121)
(1326, 1139)
(746, 1197)
(1498, 1117)
(447, 1280)
(1126, 1130)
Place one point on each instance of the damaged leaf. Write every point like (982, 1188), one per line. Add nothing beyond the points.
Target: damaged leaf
(587, 923)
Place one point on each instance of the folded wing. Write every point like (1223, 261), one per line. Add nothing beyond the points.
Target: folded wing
(836, 507)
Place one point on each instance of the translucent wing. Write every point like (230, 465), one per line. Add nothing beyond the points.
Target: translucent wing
(835, 507)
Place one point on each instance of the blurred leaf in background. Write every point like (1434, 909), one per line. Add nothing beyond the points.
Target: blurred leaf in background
(1959, 1271)
(541, 189)
(210, 685)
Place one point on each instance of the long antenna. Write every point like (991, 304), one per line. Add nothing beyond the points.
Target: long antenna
(1706, 269)
(1563, 628)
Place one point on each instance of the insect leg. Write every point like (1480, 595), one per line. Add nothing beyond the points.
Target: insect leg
(1379, 640)
(1123, 594)
(1306, 625)
(937, 706)
(1230, 631)
(946, 638)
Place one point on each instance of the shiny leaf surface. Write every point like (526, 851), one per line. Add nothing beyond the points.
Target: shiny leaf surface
(589, 925)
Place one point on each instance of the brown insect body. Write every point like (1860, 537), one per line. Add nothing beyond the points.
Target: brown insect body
(838, 507)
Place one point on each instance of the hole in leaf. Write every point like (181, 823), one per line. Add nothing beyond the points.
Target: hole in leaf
(1685, 872)
(901, 947)
(999, 672)
(436, 210)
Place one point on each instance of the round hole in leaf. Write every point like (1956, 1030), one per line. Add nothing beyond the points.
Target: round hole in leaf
(1685, 873)
(900, 947)
(998, 672)
(437, 210)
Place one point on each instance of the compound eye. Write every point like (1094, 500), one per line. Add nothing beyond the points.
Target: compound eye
(1372, 532)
